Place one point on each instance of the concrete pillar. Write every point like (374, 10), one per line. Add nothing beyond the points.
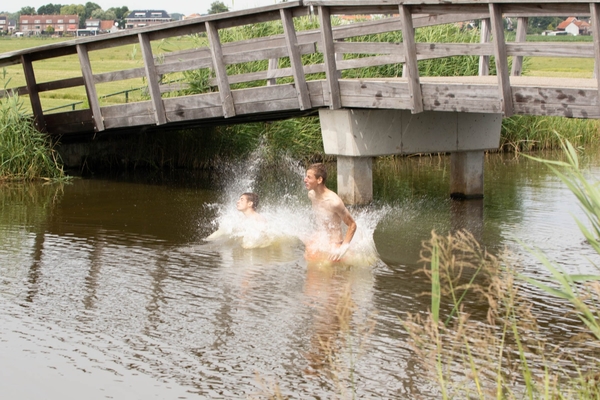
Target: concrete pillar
(355, 179)
(466, 175)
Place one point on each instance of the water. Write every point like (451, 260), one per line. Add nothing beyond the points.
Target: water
(108, 290)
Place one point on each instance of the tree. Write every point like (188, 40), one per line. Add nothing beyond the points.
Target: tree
(75, 9)
(217, 7)
(120, 14)
(49, 9)
(27, 11)
(89, 9)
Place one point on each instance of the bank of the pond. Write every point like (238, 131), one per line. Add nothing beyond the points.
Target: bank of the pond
(25, 153)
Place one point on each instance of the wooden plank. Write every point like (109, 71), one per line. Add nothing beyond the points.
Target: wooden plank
(199, 106)
(72, 122)
(184, 66)
(153, 79)
(325, 3)
(372, 61)
(501, 59)
(410, 54)
(34, 96)
(552, 95)
(484, 60)
(518, 9)
(595, 11)
(557, 111)
(120, 75)
(60, 84)
(520, 37)
(204, 100)
(273, 64)
(440, 50)
(123, 110)
(329, 57)
(295, 59)
(264, 94)
(90, 86)
(267, 106)
(19, 91)
(550, 49)
(220, 70)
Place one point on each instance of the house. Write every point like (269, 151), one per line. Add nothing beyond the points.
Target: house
(3, 24)
(57, 24)
(574, 26)
(140, 18)
(99, 26)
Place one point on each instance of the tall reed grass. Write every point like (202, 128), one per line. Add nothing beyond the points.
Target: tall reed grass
(502, 352)
(25, 153)
(530, 133)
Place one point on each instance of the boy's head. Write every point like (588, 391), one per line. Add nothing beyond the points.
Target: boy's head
(251, 199)
(319, 171)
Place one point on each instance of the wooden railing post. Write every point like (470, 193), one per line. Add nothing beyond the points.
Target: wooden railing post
(410, 54)
(216, 52)
(90, 87)
(295, 58)
(595, 14)
(501, 59)
(484, 61)
(273, 64)
(152, 78)
(34, 96)
(521, 36)
(328, 51)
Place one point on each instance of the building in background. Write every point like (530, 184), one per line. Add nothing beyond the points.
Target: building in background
(574, 26)
(140, 18)
(51, 24)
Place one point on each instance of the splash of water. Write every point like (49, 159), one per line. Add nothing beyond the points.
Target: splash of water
(285, 206)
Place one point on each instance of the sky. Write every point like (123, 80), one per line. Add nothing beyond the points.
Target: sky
(185, 7)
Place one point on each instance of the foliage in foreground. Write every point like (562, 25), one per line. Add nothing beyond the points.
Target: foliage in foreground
(504, 352)
(25, 154)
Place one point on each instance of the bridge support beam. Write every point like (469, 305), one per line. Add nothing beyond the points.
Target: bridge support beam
(355, 179)
(355, 136)
(466, 175)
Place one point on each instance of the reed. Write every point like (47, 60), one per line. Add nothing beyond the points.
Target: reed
(502, 352)
(529, 133)
(26, 154)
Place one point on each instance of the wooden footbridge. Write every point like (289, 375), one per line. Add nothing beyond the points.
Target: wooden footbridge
(303, 84)
(305, 72)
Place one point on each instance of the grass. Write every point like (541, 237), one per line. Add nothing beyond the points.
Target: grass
(26, 154)
(503, 353)
(106, 60)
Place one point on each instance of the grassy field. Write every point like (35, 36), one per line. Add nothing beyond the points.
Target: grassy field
(107, 60)
(129, 56)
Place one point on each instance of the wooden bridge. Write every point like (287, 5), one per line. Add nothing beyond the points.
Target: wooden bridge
(307, 71)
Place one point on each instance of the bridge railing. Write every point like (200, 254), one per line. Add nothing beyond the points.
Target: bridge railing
(299, 70)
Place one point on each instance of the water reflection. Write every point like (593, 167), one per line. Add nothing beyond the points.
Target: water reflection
(117, 268)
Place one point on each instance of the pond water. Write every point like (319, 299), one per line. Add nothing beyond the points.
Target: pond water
(109, 290)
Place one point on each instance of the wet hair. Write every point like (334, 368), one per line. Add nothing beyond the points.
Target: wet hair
(253, 197)
(319, 170)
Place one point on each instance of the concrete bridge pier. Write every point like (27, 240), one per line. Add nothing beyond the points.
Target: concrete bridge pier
(355, 179)
(466, 175)
(358, 135)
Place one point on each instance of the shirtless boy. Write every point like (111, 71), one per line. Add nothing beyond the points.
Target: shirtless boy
(247, 204)
(330, 212)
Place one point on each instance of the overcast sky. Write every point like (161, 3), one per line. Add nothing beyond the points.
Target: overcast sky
(185, 7)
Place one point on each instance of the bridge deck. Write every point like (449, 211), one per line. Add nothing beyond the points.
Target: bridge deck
(305, 67)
